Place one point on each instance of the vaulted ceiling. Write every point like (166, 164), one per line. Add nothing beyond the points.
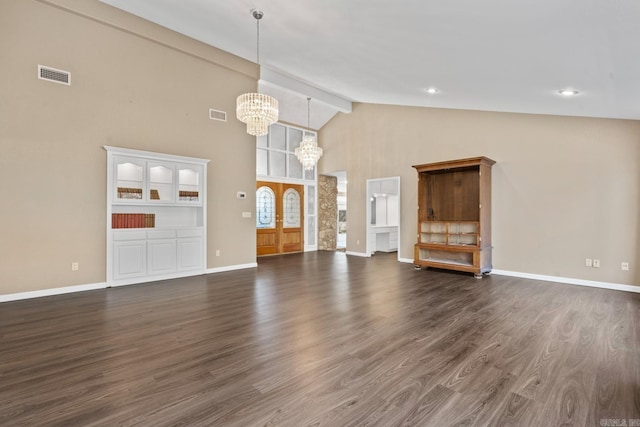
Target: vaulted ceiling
(494, 55)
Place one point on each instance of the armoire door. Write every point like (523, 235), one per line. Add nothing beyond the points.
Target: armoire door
(279, 218)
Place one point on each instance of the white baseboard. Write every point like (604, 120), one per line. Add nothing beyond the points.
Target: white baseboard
(569, 280)
(149, 279)
(52, 291)
(232, 267)
(360, 254)
(102, 285)
(556, 279)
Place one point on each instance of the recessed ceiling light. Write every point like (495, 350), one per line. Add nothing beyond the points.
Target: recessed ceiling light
(431, 90)
(568, 92)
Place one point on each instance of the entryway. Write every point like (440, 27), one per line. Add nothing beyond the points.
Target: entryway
(279, 218)
(383, 215)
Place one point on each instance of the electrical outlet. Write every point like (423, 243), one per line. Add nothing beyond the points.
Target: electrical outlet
(588, 262)
(596, 263)
(624, 266)
(217, 252)
(358, 242)
(75, 266)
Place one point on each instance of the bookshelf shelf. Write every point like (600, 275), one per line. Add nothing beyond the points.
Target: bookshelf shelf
(156, 216)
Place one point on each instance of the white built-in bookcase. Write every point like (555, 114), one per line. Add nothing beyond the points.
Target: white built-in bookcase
(156, 216)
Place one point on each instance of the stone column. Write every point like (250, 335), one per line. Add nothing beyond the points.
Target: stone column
(327, 212)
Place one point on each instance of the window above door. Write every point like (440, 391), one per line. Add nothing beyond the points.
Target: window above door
(275, 154)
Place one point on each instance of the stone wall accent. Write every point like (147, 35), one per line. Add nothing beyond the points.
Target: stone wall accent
(327, 212)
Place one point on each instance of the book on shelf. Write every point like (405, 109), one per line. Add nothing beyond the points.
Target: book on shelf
(129, 193)
(133, 220)
(188, 195)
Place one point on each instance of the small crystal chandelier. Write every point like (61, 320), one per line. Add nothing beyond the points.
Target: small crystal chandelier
(257, 110)
(308, 152)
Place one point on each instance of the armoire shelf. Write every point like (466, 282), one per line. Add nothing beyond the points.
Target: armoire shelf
(454, 215)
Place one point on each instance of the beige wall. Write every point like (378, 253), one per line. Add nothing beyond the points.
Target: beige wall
(564, 188)
(134, 85)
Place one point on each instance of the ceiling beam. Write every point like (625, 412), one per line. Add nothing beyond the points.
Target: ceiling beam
(273, 78)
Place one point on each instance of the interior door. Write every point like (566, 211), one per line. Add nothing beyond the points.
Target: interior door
(279, 218)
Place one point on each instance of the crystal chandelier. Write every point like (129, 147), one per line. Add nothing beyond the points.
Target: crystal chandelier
(257, 110)
(308, 151)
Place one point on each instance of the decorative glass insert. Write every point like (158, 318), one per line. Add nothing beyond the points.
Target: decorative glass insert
(265, 208)
(311, 231)
(310, 174)
(311, 200)
(291, 207)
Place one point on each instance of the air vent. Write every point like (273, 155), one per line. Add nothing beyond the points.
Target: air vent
(54, 75)
(217, 115)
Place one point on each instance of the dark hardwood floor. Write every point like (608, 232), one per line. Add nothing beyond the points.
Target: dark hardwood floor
(323, 339)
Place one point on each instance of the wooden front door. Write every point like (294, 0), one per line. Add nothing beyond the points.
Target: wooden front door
(279, 218)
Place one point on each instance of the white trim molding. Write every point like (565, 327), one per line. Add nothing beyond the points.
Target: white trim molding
(360, 254)
(231, 268)
(104, 285)
(556, 279)
(52, 292)
(569, 281)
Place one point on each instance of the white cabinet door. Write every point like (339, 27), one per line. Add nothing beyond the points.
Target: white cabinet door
(190, 253)
(161, 256)
(129, 259)
(393, 239)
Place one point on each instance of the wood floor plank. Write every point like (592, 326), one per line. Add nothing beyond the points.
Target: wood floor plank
(322, 338)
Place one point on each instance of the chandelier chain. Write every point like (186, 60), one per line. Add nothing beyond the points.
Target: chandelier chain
(258, 40)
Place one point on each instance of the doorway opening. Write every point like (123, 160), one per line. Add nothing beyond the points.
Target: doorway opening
(341, 240)
(383, 215)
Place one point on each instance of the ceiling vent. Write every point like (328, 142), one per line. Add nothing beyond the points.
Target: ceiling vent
(217, 115)
(54, 75)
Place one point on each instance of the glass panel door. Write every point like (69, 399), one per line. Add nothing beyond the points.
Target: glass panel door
(265, 208)
(279, 213)
(291, 205)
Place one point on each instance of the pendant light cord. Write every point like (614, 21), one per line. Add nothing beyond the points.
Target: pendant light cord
(258, 41)
(309, 112)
